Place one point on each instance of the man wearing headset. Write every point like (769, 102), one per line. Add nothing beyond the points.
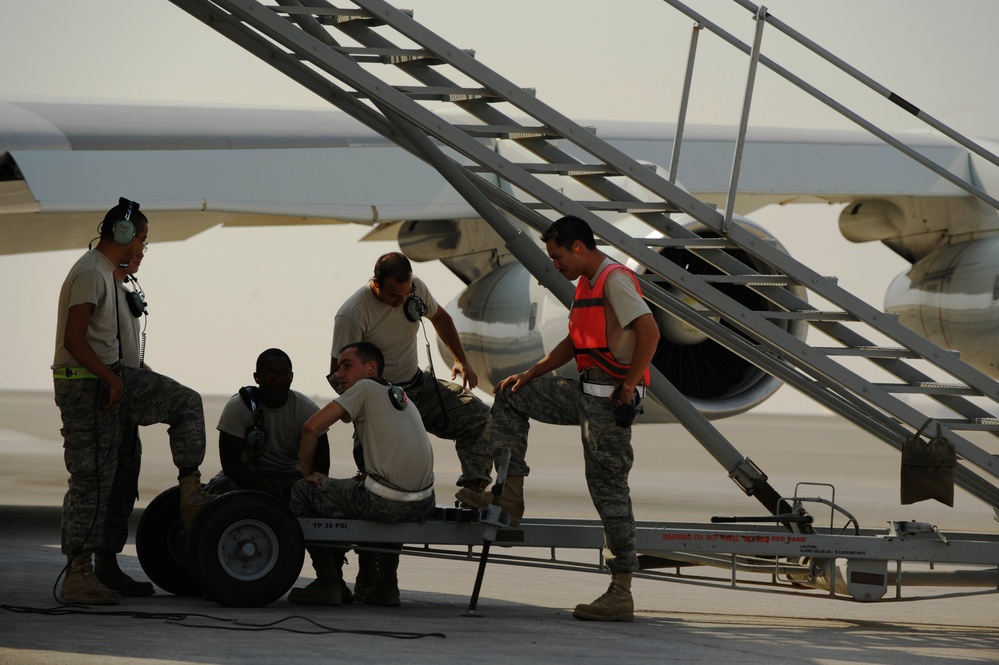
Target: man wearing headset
(97, 393)
(386, 312)
(397, 485)
(125, 488)
(260, 429)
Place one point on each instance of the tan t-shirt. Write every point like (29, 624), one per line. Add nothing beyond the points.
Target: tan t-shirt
(90, 280)
(396, 446)
(364, 318)
(284, 431)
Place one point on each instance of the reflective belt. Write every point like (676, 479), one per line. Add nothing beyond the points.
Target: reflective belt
(393, 494)
(73, 373)
(606, 389)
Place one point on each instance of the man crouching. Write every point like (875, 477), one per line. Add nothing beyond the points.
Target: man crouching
(397, 485)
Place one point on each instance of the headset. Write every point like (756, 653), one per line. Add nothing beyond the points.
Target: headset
(396, 395)
(256, 435)
(414, 307)
(123, 230)
(135, 298)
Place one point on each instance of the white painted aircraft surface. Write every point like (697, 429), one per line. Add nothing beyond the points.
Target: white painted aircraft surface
(198, 167)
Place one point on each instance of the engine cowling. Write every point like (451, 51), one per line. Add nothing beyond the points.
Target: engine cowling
(951, 297)
(507, 322)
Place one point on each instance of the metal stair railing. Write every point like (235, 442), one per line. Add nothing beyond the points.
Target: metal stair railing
(396, 110)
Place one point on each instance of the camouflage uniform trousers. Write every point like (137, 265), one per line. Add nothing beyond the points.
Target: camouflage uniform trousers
(349, 498)
(221, 483)
(92, 442)
(124, 490)
(607, 452)
(463, 418)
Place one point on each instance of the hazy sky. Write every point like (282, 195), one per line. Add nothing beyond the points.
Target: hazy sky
(218, 299)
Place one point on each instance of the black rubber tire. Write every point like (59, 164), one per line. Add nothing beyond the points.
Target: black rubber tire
(246, 549)
(161, 545)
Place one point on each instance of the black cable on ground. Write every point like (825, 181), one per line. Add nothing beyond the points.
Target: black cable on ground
(178, 619)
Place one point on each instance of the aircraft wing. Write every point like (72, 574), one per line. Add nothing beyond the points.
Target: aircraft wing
(63, 164)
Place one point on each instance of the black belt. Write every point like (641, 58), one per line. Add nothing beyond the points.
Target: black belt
(594, 374)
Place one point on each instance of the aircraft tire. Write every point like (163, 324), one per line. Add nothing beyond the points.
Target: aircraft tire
(160, 543)
(246, 549)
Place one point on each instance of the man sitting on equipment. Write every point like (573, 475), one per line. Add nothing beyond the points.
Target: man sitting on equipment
(399, 465)
(259, 431)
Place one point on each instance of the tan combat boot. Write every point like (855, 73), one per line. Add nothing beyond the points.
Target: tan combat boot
(193, 498)
(107, 571)
(511, 501)
(615, 605)
(81, 586)
(326, 589)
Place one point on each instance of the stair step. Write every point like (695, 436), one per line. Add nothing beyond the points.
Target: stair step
(755, 280)
(333, 16)
(507, 132)
(807, 315)
(394, 56)
(631, 207)
(443, 94)
(975, 424)
(929, 388)
(875, 352)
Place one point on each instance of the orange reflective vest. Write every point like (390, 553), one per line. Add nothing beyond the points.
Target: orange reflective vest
(588, 326)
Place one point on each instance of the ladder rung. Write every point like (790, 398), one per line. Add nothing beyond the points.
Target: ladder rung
(444, 94)
(689, 243)
(332, 16)
(557, 169)
(929, 388)
(754, 280)
(868, 351)
(508, 132)
(683, 243)
(876, 352)
(631, 207)
(808, 315)
(393, 56)
(975, 424)
(569, 169)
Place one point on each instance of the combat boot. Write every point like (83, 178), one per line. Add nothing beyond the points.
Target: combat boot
(81, 586)
(107, 571)
(511, 501)
(193, 498)
(326, 589)
(385, 590)
(367, 573)
(615, 605)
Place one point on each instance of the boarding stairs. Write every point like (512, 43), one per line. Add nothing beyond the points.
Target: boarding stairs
(379, 65)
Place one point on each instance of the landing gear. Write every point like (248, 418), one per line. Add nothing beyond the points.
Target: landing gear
(245, 549)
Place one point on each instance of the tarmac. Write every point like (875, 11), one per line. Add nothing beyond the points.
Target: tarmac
(525, 610)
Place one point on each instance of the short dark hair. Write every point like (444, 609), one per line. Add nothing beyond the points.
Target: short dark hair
(568, 230)
(117, 213)
(271, 353)
(394, 265)
(367, 352)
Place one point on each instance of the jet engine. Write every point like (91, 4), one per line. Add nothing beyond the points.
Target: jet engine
(507, 322)
(951, 297)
